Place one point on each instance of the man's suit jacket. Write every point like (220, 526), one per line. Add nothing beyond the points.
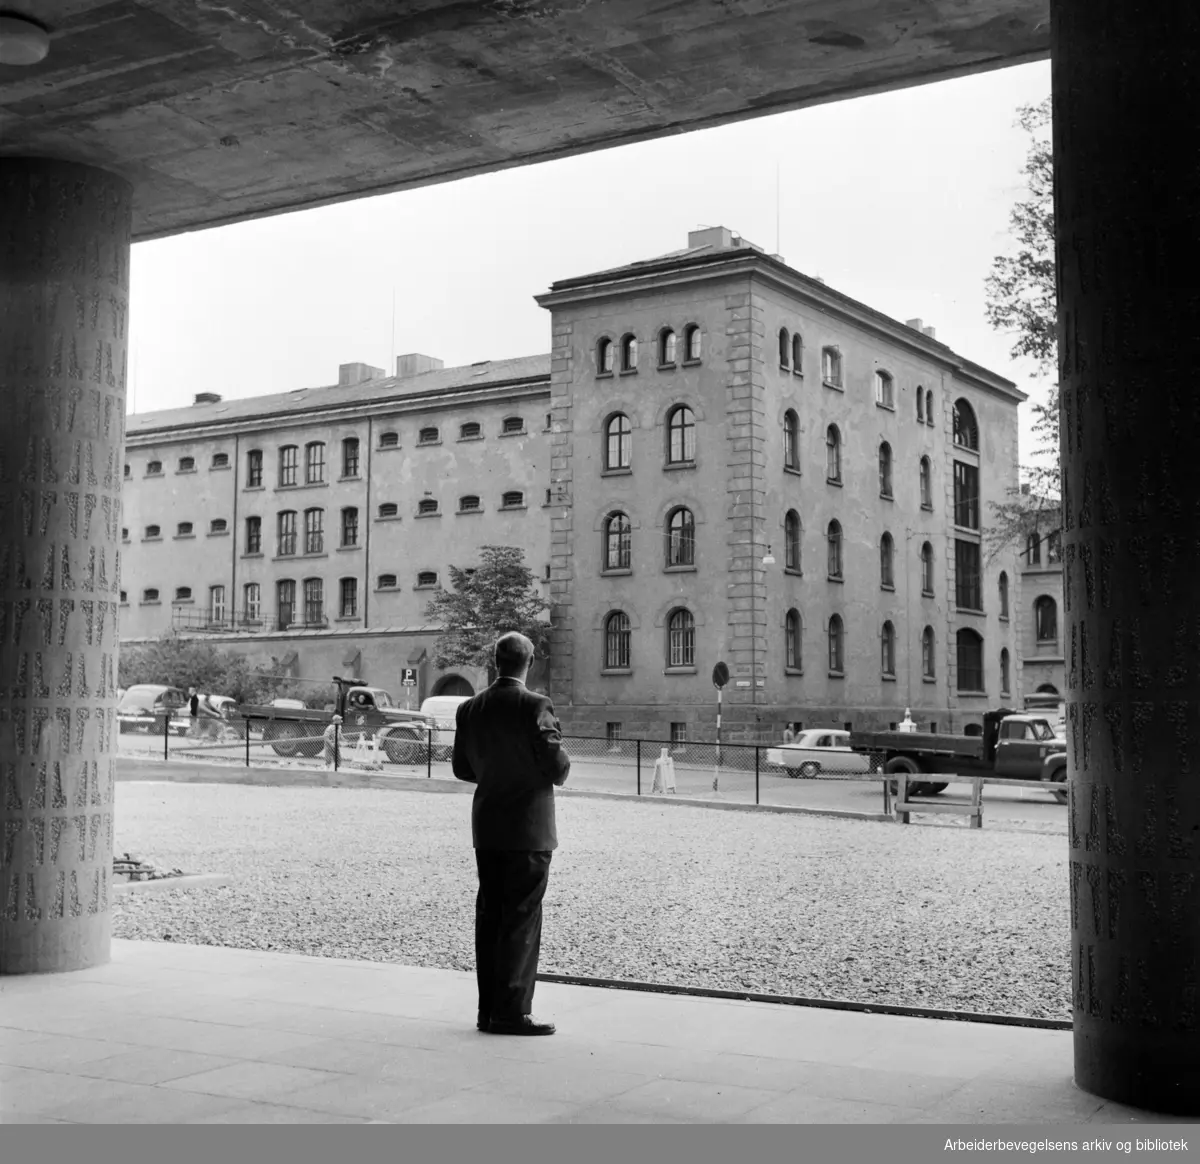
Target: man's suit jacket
(508, 744)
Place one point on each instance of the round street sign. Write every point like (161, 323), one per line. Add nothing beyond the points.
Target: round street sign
(720, 675)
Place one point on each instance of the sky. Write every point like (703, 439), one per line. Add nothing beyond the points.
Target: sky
(900, 200)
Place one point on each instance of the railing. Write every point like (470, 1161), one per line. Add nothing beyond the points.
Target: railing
(699, 770)
(211, 620)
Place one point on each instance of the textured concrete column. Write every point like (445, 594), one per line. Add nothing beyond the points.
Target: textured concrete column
(64, 283)
(1127, 206)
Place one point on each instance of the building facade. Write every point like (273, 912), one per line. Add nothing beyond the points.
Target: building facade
(1042, 637)
(722, 459)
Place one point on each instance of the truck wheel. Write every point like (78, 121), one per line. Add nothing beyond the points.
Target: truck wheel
(403, 748)
(1059, 794)
(285, 743)
(809, 769)
(904, 764)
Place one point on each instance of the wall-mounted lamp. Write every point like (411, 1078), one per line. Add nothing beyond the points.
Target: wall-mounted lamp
(768, 558)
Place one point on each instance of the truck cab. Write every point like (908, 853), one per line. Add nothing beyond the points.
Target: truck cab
(1023, 744)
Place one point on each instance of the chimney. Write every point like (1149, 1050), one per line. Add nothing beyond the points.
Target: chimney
(915, 324)
(413, 364)
(819, 278)
(349, 374)
(207, 398)
(718, 237)
(929, 331)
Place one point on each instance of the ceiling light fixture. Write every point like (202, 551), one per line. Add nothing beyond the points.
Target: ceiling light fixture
(22, 41)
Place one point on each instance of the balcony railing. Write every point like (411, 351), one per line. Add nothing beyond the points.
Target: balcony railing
(215, 620)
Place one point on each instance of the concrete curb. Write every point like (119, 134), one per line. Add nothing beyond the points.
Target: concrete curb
(159, 884)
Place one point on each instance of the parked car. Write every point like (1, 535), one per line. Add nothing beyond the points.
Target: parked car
(818, 750)
(224, 724)
(443, 708)
(145, 706)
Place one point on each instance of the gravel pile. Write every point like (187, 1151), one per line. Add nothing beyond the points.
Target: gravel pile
(818, 907)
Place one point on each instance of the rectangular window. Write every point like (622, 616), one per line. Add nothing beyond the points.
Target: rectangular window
(216, 604)
(314, 531)
(350, 457)
(289, 460)
(285, 603)
(968, 590)
(612, 733)
(287, 534)
(314, 602)
(966, 495)
(254, 468)
(349, 598)
(252, 602)
(678, 734)
(314, 463)
(254, 535)
(349, 527)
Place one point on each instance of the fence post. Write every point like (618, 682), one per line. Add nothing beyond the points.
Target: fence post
(429, 753)
(246, 724)
(336, 745)
(638, 741)
(166, 735)
(756, 747)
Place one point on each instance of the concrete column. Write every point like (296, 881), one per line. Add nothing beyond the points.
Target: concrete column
(64, 288)
(1127, 209)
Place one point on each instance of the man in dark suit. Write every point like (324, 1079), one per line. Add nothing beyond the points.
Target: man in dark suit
(508, 744)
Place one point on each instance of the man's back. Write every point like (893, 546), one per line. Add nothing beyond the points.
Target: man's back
(507, 742)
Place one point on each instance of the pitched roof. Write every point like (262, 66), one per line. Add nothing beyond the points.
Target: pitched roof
(304, 400)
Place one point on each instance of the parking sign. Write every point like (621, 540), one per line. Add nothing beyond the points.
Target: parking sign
(409, 677)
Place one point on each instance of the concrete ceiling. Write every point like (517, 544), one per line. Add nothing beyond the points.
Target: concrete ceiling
(222, 110)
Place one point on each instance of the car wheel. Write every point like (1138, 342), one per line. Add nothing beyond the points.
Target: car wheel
(402, 748)
(809, 769)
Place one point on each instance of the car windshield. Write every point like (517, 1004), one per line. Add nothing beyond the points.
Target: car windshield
(1041, 730)
(382, 699)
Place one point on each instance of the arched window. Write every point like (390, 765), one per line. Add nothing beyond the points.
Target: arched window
(928, 661)
(1004, 594)
(681, 436)
(350, 457)
(920, 405)
(617, 638)
(220, 461)
(389, 440)
(927, 569)
(604, 356)
(885, 389)
(187, 464)
(153, 468)
(1004, 671)
(681, 639)
(833, 537)
(926, 472)
(427, 506)
(785, 347)
(184, 529)
(1053, 548)
(681, 538)
(797, 354)
(966, 427)
(513, 425)
(468, 503)
(153, 531)
(887, 650)
(618, 535)
(471, 431)
(691, 339)
(512, 499)
(387, 581)
(429, 435)
(887, 555)
(618, 441)
(831, 367)
(833, 454)
(929, 407)
(218, 525)
(629, 353)
(666, 347)
(314, 462)
(791, 440)
(970, 660)
(1033, 549)
(150, 595)
(388, 509)
(837, 644)
(792, 656)
(791, 541)
(427, 578)
(885, 469)
(183, 594)
(1045, 619)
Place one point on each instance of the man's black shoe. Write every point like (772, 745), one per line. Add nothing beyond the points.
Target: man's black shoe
(526, 1024)
(482, 1022)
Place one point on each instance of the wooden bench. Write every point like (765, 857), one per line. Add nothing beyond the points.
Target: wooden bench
(903, 806)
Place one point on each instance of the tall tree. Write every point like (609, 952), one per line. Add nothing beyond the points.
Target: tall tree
(1022, 301)
(487, 600)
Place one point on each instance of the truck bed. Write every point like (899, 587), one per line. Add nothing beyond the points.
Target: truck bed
(966, 748)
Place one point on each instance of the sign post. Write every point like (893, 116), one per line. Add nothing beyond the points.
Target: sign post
(720, 677)
(408, 680)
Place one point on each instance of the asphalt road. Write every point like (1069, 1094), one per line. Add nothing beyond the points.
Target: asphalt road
(1004, 806)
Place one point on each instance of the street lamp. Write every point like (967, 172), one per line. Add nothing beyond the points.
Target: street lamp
(768, 558)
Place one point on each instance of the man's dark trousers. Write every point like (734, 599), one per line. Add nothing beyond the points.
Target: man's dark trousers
(508, 929)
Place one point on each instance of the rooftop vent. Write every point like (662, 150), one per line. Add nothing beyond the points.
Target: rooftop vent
(207, 398)
(414, 364)
(350, 374)
(929, 331)
(915, 324)
(719, 237)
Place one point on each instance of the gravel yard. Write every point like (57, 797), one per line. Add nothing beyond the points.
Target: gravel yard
(819, 907)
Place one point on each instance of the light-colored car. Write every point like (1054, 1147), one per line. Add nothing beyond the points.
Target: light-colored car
(443, 709)
(144, 706)
(819, 750)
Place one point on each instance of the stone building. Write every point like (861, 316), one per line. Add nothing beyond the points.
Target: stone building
(701, 415)
(1042, 636)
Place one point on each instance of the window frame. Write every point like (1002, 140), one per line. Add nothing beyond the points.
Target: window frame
(348, 586)
(314, 530)
(887, 649)
(791, 440)
(254, 468)
(887, 561)
(885, 471)
(351, 458)
(836, 636)
(793, 641)
(349, 527)
(793, 528)
(681, 430)
(253, 535)
(681, 541)
(618, 641)
(289, 466)
(286, 534)
(835, 565)
(681, 639)
(668, 347)
(885, 389)
(965, 431)
(969, 668)
(833, 455)
(623, 536)
(623, 437)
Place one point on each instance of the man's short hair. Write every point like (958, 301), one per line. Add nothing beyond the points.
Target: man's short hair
(514, 652)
